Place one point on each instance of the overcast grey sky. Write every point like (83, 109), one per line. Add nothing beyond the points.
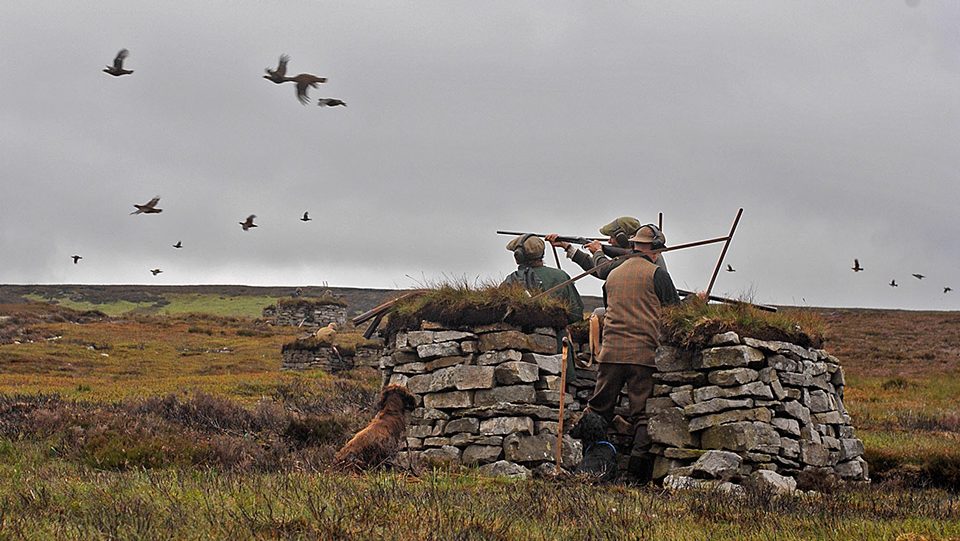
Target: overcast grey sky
(834, 124)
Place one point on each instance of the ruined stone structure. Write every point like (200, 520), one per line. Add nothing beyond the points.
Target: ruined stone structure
(308, 354)
(740, 410)
(307, 313)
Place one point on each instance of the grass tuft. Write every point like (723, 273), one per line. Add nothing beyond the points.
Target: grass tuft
(460, 304)
(346, 342)
(895, 384)
(692, 323)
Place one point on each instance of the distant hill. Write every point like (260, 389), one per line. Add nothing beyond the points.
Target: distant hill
(358, 300)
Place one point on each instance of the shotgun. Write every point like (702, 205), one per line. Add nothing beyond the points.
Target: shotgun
(608, 250)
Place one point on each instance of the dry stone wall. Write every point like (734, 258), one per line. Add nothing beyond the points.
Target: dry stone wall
(745, 409)
(310, 317)
(305, 355)
(739, 411)
(488, 396)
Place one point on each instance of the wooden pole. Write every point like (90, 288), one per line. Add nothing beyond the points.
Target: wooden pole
(373, 326)
(660, 222)
(724, 252)
(764, 307)
(563, 391)
(373, 312)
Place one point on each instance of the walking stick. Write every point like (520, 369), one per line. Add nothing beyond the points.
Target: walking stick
(724, 252)
(563, 391)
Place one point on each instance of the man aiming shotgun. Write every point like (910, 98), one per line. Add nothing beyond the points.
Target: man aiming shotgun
(617, 234)
(610, 256)
(535, 277)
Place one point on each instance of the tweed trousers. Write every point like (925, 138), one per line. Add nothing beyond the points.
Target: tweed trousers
(638, 379)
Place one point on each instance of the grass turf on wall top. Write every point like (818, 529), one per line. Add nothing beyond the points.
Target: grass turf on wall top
(461, 305)
(346, 342)
(691, 323)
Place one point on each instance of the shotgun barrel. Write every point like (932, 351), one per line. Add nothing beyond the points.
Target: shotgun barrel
(608, 249)
(572, 240)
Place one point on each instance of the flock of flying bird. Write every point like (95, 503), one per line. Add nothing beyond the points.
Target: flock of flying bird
(893, 283)
(304, 82)
(857, 268)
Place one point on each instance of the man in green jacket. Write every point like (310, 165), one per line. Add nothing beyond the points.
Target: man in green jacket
(534, 276)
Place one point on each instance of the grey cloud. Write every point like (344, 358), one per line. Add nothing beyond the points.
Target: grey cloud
(833, 125)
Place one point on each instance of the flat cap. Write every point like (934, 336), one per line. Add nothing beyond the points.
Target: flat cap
(533, 247)
(627, 224)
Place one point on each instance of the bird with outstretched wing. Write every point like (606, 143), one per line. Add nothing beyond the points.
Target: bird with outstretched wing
(278, 75)
(117, 68)
(248, 223)
(306, 81)
(150, 207)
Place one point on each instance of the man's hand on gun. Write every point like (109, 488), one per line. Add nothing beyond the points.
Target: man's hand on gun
(594, 246)
(552, 239)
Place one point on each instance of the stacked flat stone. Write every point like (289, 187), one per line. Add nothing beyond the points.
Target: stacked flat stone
(305, 316)
(307, 355)
(487, 396)
(776, 406)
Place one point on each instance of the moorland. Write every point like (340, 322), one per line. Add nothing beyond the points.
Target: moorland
(161, 413)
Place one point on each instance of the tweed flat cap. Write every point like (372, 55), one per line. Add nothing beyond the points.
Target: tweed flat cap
(533, 246)
(627, 224)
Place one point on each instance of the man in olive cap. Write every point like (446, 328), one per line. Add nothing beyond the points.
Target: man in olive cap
(619, 231)
(533, 275)
(634, 293)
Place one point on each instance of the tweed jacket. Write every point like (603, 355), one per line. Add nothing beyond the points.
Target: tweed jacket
(631, 330)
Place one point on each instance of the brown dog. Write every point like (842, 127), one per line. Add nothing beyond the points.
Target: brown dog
(378, 442)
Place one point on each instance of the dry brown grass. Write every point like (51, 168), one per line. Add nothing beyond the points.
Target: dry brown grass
(902, 369)
(894, 343)
(197, 430)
